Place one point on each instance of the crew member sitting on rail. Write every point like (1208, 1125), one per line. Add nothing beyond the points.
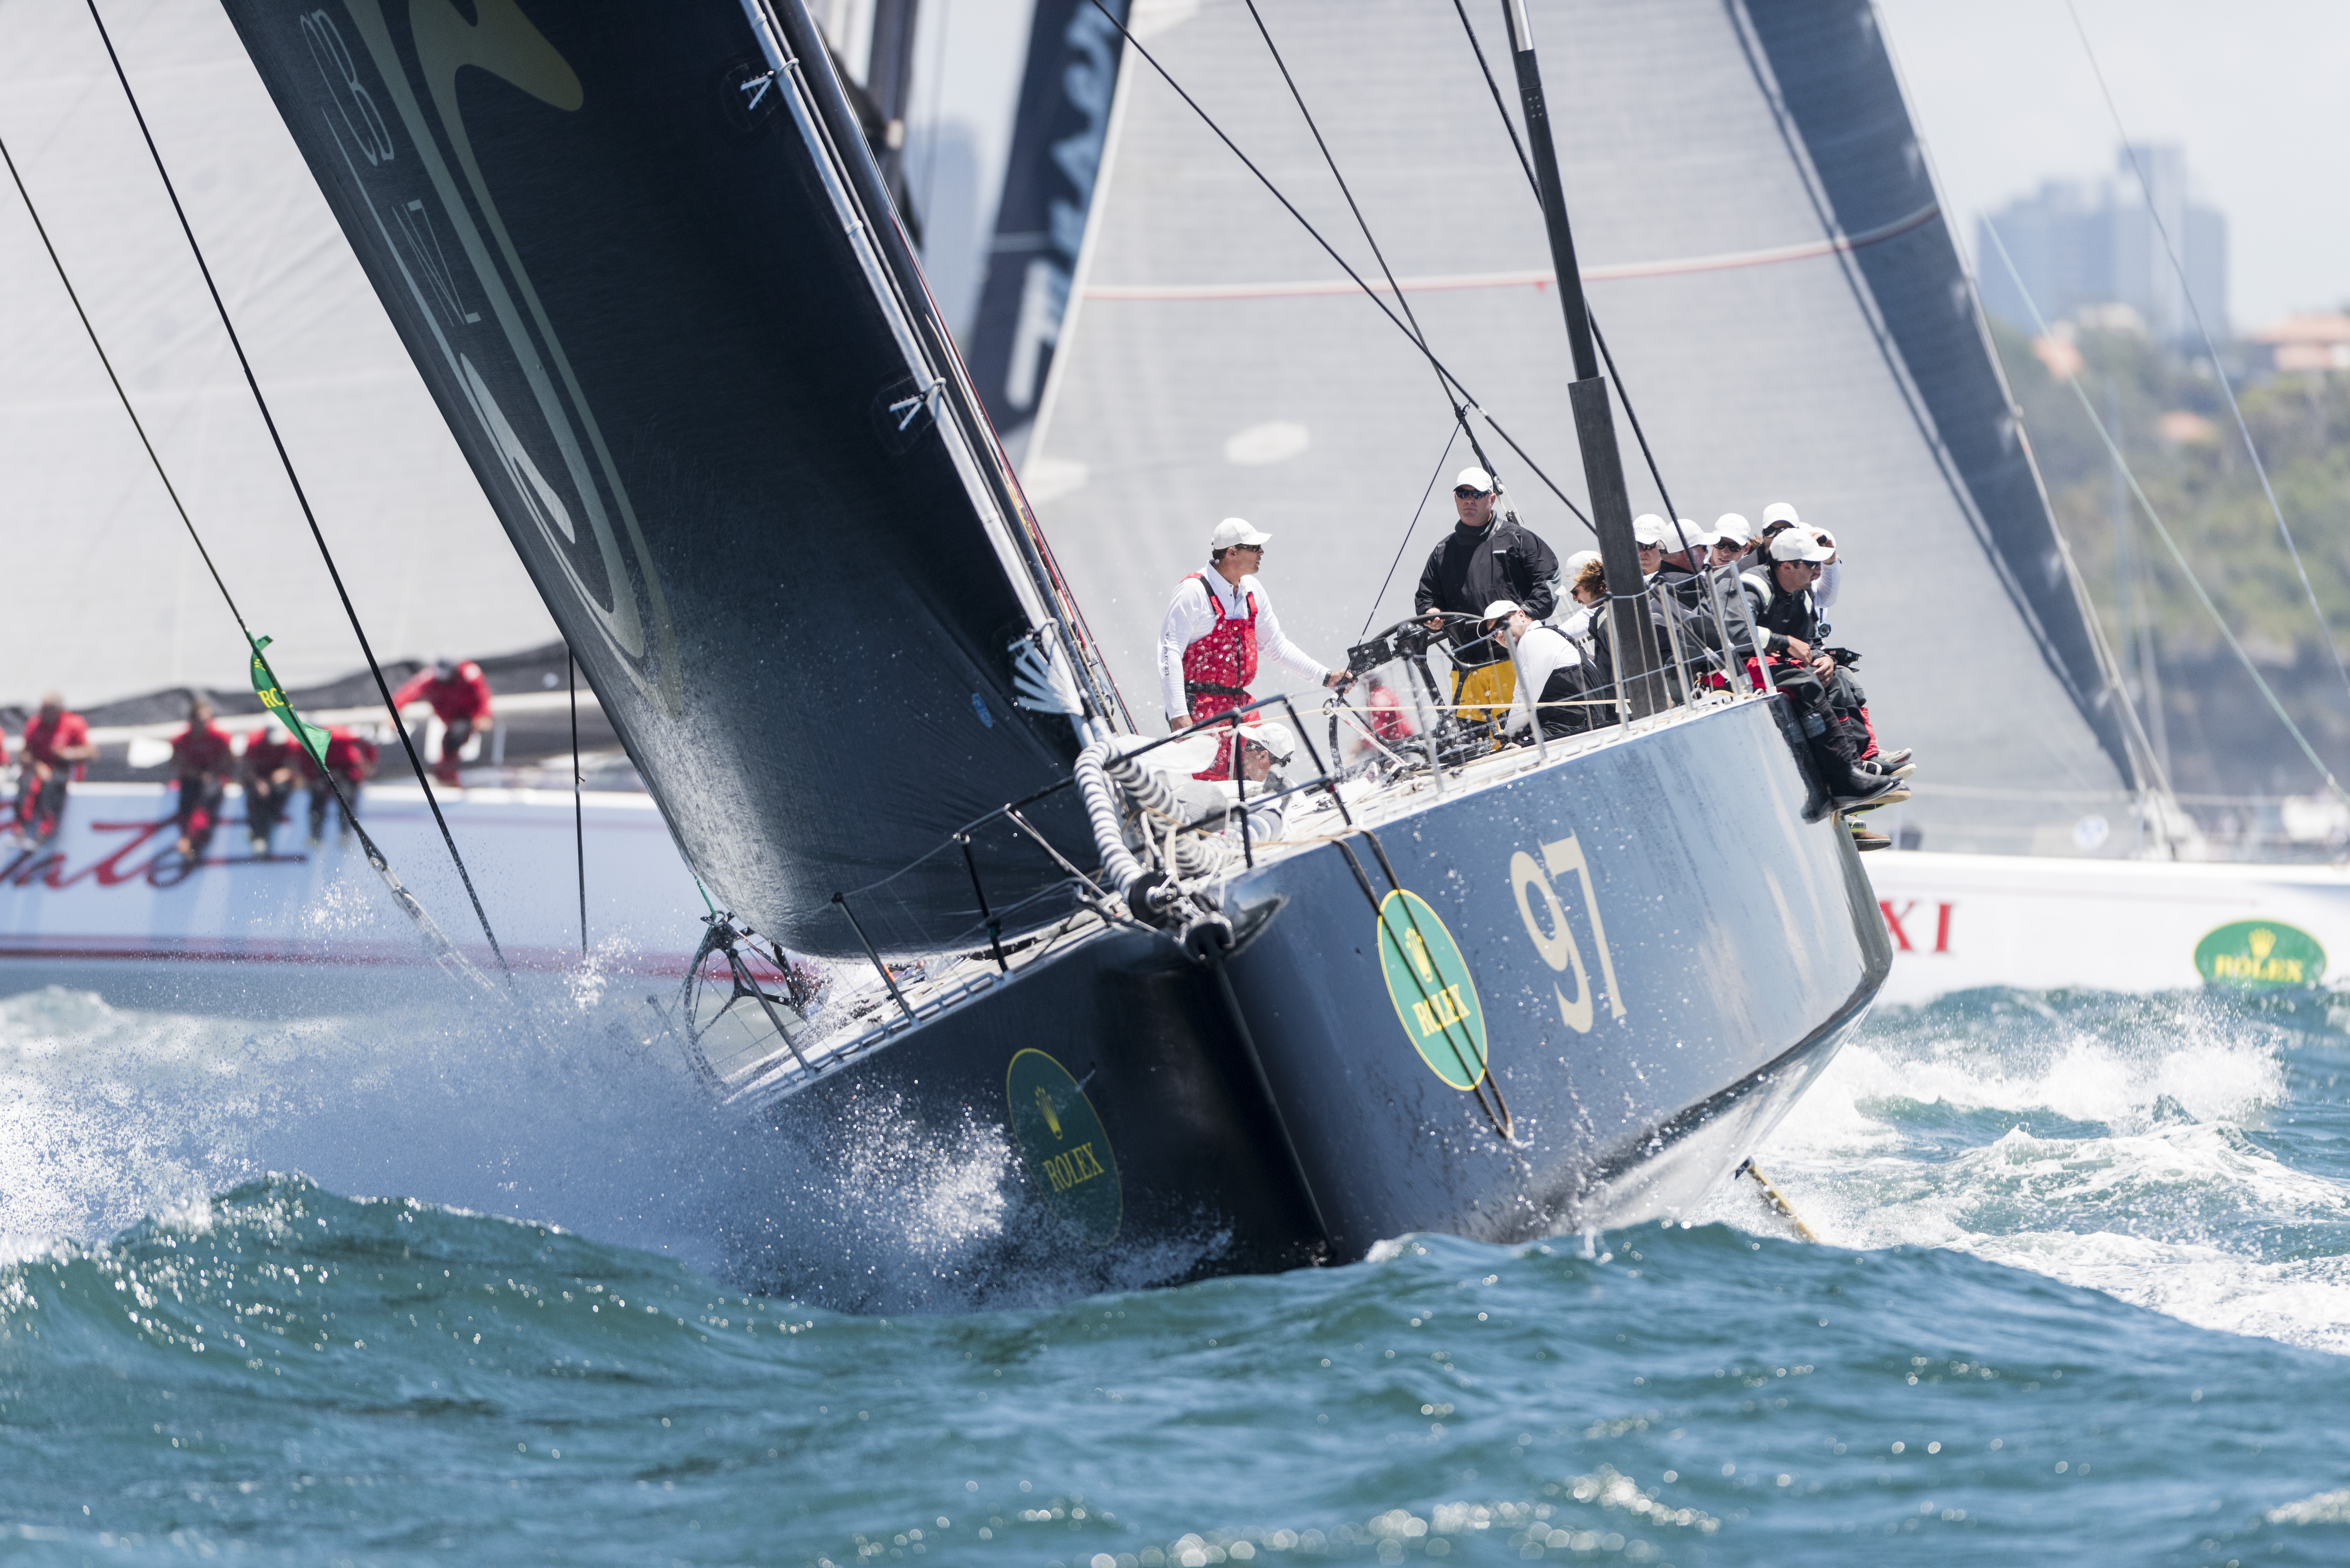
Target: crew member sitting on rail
(1825, 699)
(1650, 533)
(1217, 624)
(271, 760)
(1733, 541)
(201, 762)
(460, 696)
(1265, 752)
(1831, 578)
(1550, 670)
(1683, 562)
(1586, 588)
(1649, 537)
(1481, 561)
(57, 744)
(351, 759)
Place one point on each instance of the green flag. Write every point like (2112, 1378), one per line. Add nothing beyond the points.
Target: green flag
(264, 686)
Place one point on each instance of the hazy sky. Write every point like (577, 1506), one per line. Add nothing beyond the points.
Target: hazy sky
(2253, 90)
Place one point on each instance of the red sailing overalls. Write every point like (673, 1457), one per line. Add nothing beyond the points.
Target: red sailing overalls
(1217, 670)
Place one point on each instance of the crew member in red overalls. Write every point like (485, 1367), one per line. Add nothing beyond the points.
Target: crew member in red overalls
(351, 759)
(271, 759)
(1217, 625)
(460, 696)
(57, 744)
(201, 760)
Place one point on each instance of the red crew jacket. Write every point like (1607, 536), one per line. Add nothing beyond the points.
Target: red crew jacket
(43, 737)
(348, 755)
(201, 751)
(267, 751)
(464, 695)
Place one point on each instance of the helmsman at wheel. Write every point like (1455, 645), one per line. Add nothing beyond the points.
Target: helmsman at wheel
(1217, 625)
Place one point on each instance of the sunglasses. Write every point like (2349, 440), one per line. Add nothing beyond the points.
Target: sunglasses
(1251, 549)
(1462, 493)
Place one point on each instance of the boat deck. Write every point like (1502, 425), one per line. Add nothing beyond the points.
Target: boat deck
(745, 1061)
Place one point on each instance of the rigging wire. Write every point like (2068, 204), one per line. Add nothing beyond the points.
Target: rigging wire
(1405, 543)
(2177, 555)
(1499, 106)
(1467, 397)
(1419, 333)
(407, 743)
(376, 859)
(2227, 390)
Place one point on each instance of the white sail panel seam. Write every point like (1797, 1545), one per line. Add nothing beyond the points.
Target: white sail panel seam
(1542, 277)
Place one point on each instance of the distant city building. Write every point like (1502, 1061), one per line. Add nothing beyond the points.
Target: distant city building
(2312, 342)
(2080, 244)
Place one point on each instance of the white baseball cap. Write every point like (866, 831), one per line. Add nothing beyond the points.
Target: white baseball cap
(1797, 545)
(1681, 534)
(1730, 528)
(1649, 530)
(1274, 738)
(1779, 512)
(1235, 531)
(1577, 561)
(1475, 479)
(1501, 607)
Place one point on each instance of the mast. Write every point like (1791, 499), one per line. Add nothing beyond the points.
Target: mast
(1594, 421)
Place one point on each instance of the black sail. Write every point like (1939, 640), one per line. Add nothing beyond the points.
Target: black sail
(655, 287)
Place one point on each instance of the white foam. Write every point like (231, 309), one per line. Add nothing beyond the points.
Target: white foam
(563, 1114)
(2325, 1508)
(2122, 1165)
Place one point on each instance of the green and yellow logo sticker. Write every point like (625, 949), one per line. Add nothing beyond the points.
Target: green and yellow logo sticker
(1429, 981)
(2259, 954)
(1068, 1152)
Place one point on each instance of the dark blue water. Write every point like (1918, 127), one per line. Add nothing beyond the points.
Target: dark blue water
(2083, 1297)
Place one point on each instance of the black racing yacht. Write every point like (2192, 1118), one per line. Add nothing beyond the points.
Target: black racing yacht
(1421, 980)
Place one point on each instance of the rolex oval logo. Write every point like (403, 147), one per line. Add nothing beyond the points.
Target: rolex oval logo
(1435, 997)
(2260, 955)
(1066, 1147)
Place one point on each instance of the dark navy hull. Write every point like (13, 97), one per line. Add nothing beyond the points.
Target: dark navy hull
(1742, 943)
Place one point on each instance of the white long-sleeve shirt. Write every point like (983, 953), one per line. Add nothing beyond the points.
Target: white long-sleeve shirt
(1539, 654)
(1192, 613)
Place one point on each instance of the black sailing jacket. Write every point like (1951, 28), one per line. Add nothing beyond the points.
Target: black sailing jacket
(1471, 567)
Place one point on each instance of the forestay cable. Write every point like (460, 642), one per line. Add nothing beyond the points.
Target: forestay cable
(444, 952)
(2089, 407)
(1467, 397)
(2227, 389)
(407, 743)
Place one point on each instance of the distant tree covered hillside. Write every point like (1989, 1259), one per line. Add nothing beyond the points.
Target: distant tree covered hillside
(2174, 427)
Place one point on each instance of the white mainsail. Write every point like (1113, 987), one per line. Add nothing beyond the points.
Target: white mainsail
(108, 598)
(1765, 252)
